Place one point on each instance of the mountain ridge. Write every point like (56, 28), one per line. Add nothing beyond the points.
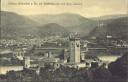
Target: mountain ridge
(52, 29)
(15, 25)
(115, 27)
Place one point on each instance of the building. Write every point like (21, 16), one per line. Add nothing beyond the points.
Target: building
(11, 64)
(5, 69)
(74, 49)
(27, 62)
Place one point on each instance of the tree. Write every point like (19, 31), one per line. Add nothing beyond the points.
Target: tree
(119, 68)
(11, 75)
(101, 74)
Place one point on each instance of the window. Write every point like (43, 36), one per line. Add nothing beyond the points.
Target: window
(77, 45)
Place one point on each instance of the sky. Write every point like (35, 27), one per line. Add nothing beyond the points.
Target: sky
(87, 8)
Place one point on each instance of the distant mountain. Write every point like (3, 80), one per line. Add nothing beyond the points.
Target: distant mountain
(115, 27)
(52, 29)
(15, 25)
(70, 21)
(85, 28)
(106, 17)
(65, 19)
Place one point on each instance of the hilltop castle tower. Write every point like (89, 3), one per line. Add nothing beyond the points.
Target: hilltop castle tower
(74, 49)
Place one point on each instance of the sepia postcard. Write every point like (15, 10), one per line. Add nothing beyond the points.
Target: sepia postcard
(64, 41)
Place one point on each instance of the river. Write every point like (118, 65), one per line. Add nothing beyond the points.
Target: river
(108, 59)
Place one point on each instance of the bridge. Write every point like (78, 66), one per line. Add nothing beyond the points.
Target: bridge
(50, 48)
(64, 48)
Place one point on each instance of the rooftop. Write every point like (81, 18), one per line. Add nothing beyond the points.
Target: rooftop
(11, 62)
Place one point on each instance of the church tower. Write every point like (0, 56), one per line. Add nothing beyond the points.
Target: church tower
(74, 49)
